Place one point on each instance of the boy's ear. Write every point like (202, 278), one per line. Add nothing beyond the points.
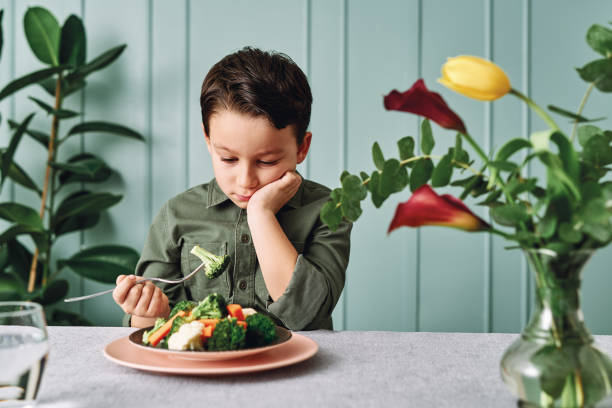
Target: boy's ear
(207, 139)
(303, 148)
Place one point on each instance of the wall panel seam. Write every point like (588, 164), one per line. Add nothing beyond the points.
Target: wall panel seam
(187, 79)
(344, 123)
(488, 128)
(308, 60)
(149, 138)
(417, 276)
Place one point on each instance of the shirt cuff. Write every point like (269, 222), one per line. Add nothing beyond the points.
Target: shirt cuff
(304, 297)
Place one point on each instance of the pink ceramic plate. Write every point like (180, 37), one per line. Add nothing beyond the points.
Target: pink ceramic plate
(282, 335)
(123, 352)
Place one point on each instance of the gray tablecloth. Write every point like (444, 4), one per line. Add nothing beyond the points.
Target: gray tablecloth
(351, 369)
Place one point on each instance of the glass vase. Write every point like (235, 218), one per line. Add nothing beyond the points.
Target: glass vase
(554, 362)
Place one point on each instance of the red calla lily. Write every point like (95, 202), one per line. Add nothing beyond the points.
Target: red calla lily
(425, 207)
(419, 100)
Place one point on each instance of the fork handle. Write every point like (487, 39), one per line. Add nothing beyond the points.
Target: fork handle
(104, 292)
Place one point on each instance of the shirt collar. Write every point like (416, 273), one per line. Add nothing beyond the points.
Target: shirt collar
(216, 196)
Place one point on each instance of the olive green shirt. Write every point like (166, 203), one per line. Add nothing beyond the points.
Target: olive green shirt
(205, 216)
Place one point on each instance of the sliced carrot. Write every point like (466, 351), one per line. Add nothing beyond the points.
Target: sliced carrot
(159, 334)
(235, 311)
(242, 323)
(209, 322)
(208, 331)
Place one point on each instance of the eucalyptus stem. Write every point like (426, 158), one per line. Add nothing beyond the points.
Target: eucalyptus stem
(580, 109)
(49, 176)
(541, 112)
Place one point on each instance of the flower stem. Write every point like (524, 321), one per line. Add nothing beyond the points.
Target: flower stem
(580, 108)
(549, 121)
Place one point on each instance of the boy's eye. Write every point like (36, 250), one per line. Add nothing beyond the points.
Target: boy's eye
(268, 163)
(228, 159)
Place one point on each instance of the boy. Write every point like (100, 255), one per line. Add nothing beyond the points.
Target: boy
(258, 209)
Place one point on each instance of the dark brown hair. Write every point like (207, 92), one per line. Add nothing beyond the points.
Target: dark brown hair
(258, 83)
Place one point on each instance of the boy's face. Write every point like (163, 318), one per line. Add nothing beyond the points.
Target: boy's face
(249, 152)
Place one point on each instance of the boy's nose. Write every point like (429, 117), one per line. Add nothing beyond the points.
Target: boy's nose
(247, 178)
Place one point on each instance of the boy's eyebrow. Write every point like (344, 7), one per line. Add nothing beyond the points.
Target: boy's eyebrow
(221, 147)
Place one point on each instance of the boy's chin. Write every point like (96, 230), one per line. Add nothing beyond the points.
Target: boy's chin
(240, 204)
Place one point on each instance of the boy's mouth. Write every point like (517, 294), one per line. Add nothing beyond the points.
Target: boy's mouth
(243, 198)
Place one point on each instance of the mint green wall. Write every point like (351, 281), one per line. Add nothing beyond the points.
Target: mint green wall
(353, 51)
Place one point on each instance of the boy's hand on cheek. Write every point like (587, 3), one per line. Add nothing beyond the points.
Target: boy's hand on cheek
(273, 196)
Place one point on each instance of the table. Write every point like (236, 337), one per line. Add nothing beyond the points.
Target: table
(351, 369)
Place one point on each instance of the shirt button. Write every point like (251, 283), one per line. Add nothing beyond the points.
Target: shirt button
(245, 238)
(242, 285)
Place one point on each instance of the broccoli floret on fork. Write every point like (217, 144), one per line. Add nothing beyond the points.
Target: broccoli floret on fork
(214, 265)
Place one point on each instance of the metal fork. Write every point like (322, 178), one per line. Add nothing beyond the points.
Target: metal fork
(172, 282)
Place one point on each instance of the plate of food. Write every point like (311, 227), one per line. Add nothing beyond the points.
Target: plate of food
(210, 330)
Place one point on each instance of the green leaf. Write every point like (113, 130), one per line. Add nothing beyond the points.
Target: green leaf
(29, 79)
(20, 214)
(19, 176)
(427, 140)
(458, 152)
(76, 223)
(83, 167)
(406, 147)
(62, 113)
(72, 49)
(444, 170)
(102, 263)
(38, 235)
(491, 199)
(571, 115)
(568, 233)
(586, 132)
(353, 188)
(504, 152)
(84, 203)
(344, 174)
(104, 127)
(501, 165)
(548, 224)
(331, 215)
(37, 135)
(597, 151)
(421, 173)
(377, 156)
(55, 291)
(67, 87)
(375, 189)
(554, 364)
(43, 34)
(364, 175)
(10, 289)
(509, 214)
(393, 178)
(598, 72)
(600, 39)
(96, 64)
(7, 157)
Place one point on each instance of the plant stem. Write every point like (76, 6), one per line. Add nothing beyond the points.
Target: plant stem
(549, 121)
(49, 174)
(580, 108)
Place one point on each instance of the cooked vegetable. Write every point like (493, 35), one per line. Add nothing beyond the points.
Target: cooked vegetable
(188, 337)
(214, 265)
(209, 322)
(208, 331)
(227, 335)
(155, 337)
(158, 323)
(260, 330)
(184, 305)
(235, 310)
(213, 307)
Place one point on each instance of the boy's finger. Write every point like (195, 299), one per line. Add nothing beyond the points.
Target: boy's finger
(122, 289)
(145, 298)
(155, 305)
(131, 300)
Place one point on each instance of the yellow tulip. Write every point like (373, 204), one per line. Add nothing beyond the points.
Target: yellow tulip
(475, 77)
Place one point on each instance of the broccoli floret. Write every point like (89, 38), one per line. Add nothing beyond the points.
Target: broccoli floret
(184, 305)
(261, 330)
(228, 335)
(213, 265)
(212, 307)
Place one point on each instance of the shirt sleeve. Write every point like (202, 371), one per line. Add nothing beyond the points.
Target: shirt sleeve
(160, 258)
(317, 281)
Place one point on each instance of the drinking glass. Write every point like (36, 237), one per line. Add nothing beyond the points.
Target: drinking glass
(23, 352)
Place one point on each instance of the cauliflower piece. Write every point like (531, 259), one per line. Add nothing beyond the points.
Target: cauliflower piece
(247, 311)
(188, 337)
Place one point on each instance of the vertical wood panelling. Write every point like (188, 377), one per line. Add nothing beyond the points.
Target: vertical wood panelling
(452, 261)
(505, 125)
(168, 100)
(327, 84)
(381, 56)
(119, 94)
(354, 52)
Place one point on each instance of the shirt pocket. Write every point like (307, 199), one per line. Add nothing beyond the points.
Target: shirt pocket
(199, 286)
